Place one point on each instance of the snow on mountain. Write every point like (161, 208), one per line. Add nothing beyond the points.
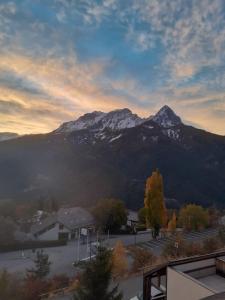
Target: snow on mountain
(166, 117)
(4, 136)
(115, 120)
(84, 122)
(172, 133)
(119, 119)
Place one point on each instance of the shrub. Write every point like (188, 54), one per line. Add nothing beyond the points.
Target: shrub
(211, 245)
(59, 282)
(119, 259)
(141, 258)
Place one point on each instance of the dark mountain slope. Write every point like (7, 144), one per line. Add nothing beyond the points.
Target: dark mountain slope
(81, 166)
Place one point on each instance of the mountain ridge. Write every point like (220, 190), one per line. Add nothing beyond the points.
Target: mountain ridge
(99, 161)
(119, 119)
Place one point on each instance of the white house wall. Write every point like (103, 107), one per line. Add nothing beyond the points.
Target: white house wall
(52, 234)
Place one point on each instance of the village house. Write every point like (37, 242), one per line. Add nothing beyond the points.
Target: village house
(67, 224)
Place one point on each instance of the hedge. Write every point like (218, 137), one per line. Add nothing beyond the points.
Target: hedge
(31, 245)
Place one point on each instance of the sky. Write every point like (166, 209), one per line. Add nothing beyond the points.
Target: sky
(62, 58)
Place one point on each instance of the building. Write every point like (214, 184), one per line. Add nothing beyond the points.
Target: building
(132, 218)
(194, 278)
(67, 223)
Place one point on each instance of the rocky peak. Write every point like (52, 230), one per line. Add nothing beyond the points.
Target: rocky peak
(166, 117)
(119, 119)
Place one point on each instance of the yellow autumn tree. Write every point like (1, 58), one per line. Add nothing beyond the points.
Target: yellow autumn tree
(119, 260)
(156, 214)
(172, 225)
(193, 217)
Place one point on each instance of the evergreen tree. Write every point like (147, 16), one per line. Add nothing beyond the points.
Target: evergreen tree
(96, 279)
(156, 215)
(42, 266)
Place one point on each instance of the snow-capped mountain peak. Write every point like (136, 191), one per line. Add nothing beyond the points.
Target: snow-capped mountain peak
(166, 117)
(119, 119)
(115, 120)
(84, 122)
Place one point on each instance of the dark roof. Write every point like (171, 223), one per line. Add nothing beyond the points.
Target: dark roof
(71, 218)
(41, 225)
(220, 296)
(75, 217)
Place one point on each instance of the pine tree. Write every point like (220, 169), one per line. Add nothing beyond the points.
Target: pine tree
(156, 215)
(96, 279)
(42, 266)
(120, 264)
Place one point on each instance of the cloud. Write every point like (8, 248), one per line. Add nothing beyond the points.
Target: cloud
(38, 87)
(61, 58)
(191, 31)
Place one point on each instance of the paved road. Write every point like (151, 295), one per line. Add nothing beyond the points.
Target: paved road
(156, 246)
(61, 257)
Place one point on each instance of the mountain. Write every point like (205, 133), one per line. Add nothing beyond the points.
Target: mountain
(4, 136)
(97, 120)
(110, 155)
(166, 117)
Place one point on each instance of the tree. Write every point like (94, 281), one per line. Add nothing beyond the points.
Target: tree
(156, 215)
(10, 286)
(7, 228)
(142, 215)
(119, 258)
(42, 266)
(172, 225)
(110, 214)
(193, 217)
(96, 279)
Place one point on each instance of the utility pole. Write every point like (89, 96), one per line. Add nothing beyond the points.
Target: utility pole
(108, 238)
(87, 242)
(78, 246)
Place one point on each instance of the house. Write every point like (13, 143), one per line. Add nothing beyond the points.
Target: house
(132, 218)
(67, 223)
(194, 278)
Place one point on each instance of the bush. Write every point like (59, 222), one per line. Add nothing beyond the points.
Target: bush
(10, 287)
(31, 245)
(34, 287)
(211, 245)
(141, 227)
(141, 258)
(186, 249)
(180, 248)
(59, 282)
(142, 215)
